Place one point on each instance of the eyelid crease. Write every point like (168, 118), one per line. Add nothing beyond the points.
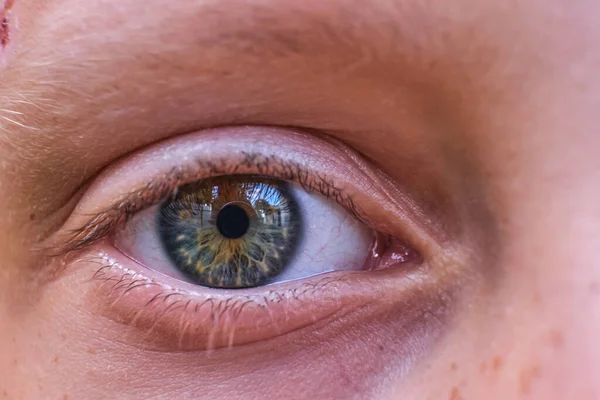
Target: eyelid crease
(102, 224)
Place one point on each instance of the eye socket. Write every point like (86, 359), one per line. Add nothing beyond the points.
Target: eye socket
(114, 234)
(245, 231)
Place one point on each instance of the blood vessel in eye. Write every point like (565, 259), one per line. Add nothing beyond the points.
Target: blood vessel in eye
(231, 231)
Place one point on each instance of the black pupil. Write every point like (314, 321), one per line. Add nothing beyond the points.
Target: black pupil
(233, 221)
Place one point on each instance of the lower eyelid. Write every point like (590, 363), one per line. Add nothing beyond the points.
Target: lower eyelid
(165, 318)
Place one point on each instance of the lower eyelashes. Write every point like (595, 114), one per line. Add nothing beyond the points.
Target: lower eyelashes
(231, 233)
(168, 316)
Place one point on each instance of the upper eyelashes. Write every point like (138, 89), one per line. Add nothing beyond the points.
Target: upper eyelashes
(103, 223)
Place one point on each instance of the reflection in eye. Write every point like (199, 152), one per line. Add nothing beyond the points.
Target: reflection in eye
(231, 232)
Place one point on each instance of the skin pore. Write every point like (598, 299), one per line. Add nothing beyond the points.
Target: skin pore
(467, 128)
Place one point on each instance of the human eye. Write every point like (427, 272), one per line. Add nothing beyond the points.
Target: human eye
(219, 240)
(243, 231)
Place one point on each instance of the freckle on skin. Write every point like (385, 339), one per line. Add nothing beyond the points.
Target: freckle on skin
(453, 367)
(497, 363)
(526, 378)
(92, 351)
(454, 394)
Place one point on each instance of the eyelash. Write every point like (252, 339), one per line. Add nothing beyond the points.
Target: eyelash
(139, 298)
(221, 312)
(102, 224)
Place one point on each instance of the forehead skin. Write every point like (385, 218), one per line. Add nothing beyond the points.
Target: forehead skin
(492, 103)
(410, 68)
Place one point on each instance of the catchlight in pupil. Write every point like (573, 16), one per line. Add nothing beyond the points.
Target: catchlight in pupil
(231, 231)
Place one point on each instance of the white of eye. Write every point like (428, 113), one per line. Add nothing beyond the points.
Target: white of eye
(332, 240)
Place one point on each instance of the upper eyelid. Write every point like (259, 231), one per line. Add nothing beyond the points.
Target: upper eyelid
(102, 223)
(349, 177)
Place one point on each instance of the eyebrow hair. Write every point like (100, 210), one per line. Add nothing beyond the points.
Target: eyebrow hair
(64, 82)
(253, 29)
(256, 31)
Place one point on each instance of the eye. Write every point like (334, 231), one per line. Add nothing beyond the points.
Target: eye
(232, 237)
(245, 231)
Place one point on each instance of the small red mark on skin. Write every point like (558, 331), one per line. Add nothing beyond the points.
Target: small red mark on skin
(454, 394)
(4, 32)
(526, 378)
(497, 363)
(556, 339)
(31, 217)
(482, 367)
(5, 23)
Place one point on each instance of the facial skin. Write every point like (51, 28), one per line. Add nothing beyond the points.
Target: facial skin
(479, 122)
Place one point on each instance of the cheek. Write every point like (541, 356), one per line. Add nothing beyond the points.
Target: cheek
(359, 354)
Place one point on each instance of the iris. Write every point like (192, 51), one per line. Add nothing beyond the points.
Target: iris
(231, 231)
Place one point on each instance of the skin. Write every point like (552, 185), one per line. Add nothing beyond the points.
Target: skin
(483, 114)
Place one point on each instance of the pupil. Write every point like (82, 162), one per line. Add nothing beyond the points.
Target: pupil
(233, 221)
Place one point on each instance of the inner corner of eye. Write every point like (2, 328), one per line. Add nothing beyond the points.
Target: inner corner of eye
(246, 231)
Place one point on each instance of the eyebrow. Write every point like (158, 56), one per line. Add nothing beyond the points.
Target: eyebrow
(81, 83)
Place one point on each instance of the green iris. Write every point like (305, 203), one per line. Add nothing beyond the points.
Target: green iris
(231, 231)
